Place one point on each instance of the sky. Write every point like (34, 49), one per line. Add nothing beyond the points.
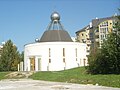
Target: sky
(23, 21)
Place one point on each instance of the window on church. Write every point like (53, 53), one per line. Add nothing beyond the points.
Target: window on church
(84, 61)
(63, 52)
(64, 60)
(76, 59)
(49, 60)
(49, 52)
(76, 52)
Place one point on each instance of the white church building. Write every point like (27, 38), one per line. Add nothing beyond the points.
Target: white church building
(55, 50)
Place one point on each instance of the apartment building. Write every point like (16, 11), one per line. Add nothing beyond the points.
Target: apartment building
(96, 32)
(83, 36)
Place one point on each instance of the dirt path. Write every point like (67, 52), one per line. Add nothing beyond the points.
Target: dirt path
(28, 84)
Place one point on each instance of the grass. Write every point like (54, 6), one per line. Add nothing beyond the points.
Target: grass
(2, 75)
(78, 75)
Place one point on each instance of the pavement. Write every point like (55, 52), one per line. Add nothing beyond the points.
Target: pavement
(29, 84)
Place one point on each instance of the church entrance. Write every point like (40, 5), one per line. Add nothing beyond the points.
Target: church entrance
(32, 63)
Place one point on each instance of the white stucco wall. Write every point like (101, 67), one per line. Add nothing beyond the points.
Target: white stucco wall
(41, 50)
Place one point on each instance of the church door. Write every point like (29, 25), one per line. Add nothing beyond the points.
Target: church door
(32, 64)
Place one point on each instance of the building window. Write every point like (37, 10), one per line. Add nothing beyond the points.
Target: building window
(76, 59)
(88, 45)
(107, 23)
(91, 34)
(63, 52)
(83, 40)
(97, 30)
(80, 61)
(39, 64)
(107, 29)
(82, 34)
(49, 55)
(101, 37)
(64, 60)
(76, 52)
(64, 55)
(84, 61)
(104, 24)
(49, 52)
(49, 60)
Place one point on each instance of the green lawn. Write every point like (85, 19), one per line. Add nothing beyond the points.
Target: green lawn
(78, 75)
(2, 75)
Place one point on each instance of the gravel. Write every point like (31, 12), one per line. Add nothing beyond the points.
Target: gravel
(28, 84)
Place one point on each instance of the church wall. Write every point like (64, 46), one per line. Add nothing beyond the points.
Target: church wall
(51, 55)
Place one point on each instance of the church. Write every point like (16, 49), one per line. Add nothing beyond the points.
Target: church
(55, 50)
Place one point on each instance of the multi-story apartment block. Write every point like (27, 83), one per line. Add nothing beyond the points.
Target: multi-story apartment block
(97, 31)
(84, 37)
(102, 27)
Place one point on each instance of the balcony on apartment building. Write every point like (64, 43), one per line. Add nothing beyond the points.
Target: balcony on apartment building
(96, 33)
(97, 39)
(88, 42)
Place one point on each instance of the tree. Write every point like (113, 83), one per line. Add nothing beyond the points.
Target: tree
(9, 57)
(107, 59)
(22, 56)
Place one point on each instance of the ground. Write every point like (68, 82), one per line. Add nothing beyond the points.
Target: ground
(29, 84)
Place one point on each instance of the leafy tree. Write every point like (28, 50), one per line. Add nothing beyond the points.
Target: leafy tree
(22, 56)
(9, 57)
(107, 59)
